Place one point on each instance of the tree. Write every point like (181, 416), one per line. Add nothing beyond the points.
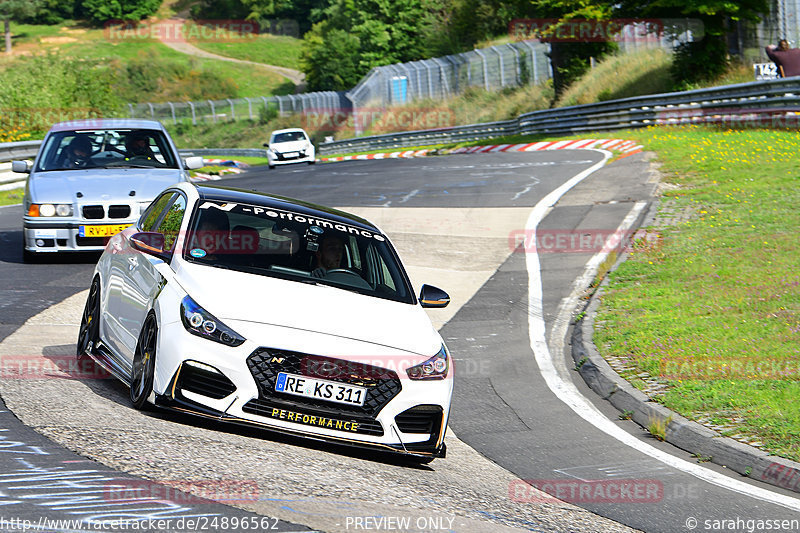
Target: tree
(707, 57)
(570, 58)
(371, 32)
(102, 11)
(15, 9)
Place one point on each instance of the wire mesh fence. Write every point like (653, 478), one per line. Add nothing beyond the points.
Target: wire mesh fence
(254, 108)
(507, 65)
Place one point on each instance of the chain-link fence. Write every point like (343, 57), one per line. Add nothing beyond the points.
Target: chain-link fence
(508, 65)
(261, 107)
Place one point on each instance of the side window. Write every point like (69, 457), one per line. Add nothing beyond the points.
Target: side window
(153, 213)
(171, 223)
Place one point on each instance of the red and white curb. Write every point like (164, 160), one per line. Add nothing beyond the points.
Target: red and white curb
(616, 145)
(383, 155)
(626, 147)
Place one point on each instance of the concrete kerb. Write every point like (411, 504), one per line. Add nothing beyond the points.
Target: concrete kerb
(702, 442)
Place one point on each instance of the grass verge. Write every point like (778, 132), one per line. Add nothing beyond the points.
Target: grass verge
(11, 197)
(710, 306)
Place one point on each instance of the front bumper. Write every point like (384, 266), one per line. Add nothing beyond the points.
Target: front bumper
(279, 159)
(53, 235)
(404, 417)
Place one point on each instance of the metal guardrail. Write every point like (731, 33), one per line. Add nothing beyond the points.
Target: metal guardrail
(769, 104)
(28, 150)
(19, 150)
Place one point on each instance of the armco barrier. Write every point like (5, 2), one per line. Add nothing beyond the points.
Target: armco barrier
(28, 149)
(773, 103)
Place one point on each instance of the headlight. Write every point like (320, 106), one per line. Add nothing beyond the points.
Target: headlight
(200, 322)
(50, 210)
(434, 368)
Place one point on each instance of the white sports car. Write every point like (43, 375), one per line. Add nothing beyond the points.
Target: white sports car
(250, 308)
(290, 146)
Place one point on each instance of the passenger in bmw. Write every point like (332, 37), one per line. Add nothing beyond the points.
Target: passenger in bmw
(329, 255)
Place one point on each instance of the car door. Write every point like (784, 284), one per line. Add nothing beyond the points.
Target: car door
(114, 328)
(143, 281)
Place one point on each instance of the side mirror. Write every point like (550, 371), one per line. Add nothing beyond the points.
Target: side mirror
(151, 243)
(22, 167)
(193, 162)
(430, 296)
(265, 144)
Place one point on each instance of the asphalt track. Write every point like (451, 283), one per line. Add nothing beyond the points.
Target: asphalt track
(502, 406)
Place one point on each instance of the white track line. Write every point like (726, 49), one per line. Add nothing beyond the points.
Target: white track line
(566, 391)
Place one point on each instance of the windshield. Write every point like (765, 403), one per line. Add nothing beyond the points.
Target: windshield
(288, 136)
(271, 242)
(127, 148)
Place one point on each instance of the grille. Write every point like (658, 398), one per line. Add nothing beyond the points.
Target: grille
(90, 241)
(420, 419)
(93, 212)
(119, 211)
(261, 407)
(382, 384)
(209, 383)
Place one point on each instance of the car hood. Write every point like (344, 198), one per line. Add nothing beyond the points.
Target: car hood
(98, 185)
(312, 308)
(291, 146)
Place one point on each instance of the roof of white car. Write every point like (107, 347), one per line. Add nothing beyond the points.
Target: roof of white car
(288, 130)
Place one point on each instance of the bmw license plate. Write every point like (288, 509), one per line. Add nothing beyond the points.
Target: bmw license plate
(101, 231)
(320, 389)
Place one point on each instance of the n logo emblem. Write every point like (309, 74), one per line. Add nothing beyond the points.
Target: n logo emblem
(278, 360)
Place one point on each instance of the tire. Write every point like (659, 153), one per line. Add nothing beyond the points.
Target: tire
(144, 364)
(271, 167)
(312, 162)
(28, 256)
(89, 332)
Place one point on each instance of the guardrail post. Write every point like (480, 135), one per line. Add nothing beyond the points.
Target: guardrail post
(130, 110)
(502, 67)
(172, 110)
(485, 69)
(533, 61)
(194, 115)
(233, 111)
(516, 61)
(152, 112)
(443, 74)
(250, 108)
(213, 112)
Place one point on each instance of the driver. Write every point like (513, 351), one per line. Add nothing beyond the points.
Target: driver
(138, 145)
(329, 255)
(78, 152)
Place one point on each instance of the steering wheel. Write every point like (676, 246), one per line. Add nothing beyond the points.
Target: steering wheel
(342, 271)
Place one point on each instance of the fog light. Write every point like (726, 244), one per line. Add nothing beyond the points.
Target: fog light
(39, 242)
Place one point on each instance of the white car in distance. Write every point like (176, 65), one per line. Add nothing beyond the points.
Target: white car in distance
(290, 146)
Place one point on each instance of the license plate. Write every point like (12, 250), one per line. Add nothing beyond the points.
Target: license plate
(320, 389)
(101, 231)
(291, 154)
